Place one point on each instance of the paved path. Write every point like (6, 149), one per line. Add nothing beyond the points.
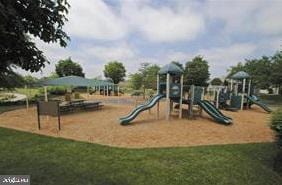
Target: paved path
(17, 97)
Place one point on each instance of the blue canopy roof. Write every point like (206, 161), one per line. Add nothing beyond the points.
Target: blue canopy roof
(171, 69)
(75, 81)
(240, 75)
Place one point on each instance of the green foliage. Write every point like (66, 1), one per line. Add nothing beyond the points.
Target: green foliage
(116, 71)
(10, 79)
(216, 81)
(276, 124)
(52, 161)
(265, 71)
(276, 69)
(196, 72)
(30, 81)
(20, 20)
(136, 81)
(260, 71)
(68, 67)
(145, 78)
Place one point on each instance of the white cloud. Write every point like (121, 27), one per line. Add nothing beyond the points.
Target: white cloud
(163, 24)
(95, 20)
(103, 53)
(248, 16)
(220, 58)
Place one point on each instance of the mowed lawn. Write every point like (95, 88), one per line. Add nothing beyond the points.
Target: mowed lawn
(59, 161)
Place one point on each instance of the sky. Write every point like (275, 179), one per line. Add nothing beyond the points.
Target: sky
(224, 32)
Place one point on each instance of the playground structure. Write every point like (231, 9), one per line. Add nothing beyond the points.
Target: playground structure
(170, 87)
(239, 94)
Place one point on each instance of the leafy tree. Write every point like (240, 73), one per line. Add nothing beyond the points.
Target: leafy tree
(136, 81)
(216, 81)
(276, 69)
(67, 68)
(116, 71)
(260, 71)
(196, 72)
(149, 75)
(145, 78)
(30, 80)
(20, 21)
(234, 69)
(12, 80)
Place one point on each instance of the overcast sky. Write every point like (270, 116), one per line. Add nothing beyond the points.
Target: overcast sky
(158, 31)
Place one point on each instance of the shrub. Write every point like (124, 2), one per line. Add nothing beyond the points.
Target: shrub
(276, 124)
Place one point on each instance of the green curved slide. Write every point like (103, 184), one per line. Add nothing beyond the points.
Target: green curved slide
(259, 103)
(135, 112)
(214, 112)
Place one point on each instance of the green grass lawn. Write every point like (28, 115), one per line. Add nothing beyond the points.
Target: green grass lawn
(59, 161)
(272, 100)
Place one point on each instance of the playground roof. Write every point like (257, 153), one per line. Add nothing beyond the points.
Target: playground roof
(75, 81)
(240, 75)
(171, 69)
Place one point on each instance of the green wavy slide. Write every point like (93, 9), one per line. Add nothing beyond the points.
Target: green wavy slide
(135, 112)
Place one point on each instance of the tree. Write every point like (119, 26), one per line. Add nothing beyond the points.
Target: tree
(196, 72)
(23, 20)
(30, 80)
(234, 69)
(67, 68)
(136, 81)
(149, 74)
(216, 81)
(145, 78)
(260, 71)
(276, 69)
(115, 70)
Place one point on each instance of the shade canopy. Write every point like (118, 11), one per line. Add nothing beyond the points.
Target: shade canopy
(75, 81)
(172, 69)
(240, 75)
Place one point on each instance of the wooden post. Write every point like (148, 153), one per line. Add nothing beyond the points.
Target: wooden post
(158, 110)
(181, 96)
(107, 90)
(167, 96)
(45, 92)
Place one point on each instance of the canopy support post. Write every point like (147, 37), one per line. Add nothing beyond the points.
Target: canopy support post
(167, 96)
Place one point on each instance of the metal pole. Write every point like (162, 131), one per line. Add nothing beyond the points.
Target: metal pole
(244, 85)
(192, 89)
(167, 96)
(181, 96)
(45, 92)
(158, 81)
(26, 91)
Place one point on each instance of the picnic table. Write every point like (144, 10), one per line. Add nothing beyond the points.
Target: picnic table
(80, 104)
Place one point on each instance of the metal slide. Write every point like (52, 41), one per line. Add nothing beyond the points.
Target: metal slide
(211, 110)
(149, 104)
(216, 110)
(262, 105)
